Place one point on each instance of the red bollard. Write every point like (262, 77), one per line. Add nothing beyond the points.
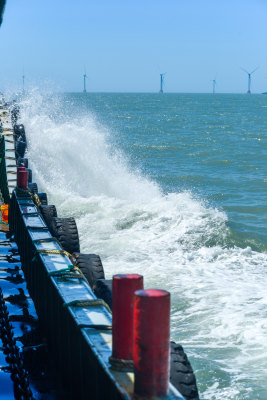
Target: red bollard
(123, 288)
(151, 342)
(22, 179)
(20, 169)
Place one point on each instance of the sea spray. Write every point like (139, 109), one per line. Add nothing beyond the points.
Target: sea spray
(175, 240)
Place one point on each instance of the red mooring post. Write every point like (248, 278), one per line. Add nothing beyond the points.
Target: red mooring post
(123, 289)
(151, 343)
(22, 178)
(20, 169)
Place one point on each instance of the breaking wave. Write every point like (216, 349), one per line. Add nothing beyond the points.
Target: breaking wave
(176, 241)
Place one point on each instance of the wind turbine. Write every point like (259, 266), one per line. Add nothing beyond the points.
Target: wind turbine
(84, 82)
(249, 77)
(162, 81)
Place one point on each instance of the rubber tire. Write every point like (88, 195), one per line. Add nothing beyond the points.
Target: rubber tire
(33, 187)
(29, 175)
(66, 232)
(19, 132)
(48, 213)
(102, 288)
(23, 162)
(20, 149)
(181, 373)
(43, 198)
(91, 267)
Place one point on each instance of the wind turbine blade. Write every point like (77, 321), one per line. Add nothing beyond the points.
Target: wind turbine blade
(244, 70)
(254, 70)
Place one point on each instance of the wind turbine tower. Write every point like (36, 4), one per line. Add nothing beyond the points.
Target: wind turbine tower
(213, 85)
(249, 77)
(84, 82)
(162, 82)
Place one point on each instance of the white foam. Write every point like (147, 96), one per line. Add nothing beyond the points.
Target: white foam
(219, 298)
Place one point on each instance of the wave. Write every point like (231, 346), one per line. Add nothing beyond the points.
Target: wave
(176, 241)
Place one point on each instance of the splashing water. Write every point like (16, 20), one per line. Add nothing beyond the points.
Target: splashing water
(177, 242)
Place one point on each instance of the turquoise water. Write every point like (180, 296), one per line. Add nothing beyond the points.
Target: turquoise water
(212, 145)
(172, 186)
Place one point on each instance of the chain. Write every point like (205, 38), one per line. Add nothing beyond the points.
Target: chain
(19, 375)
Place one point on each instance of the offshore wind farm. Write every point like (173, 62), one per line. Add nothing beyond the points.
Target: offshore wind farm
(162, 79)
(191, 53)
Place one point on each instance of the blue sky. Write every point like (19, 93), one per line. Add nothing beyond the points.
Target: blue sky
(124, 45)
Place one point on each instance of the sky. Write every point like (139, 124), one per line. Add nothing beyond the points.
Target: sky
(124, 45)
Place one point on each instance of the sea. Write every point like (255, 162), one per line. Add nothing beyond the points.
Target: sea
(171, 186)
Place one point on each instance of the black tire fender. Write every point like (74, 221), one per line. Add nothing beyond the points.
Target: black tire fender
(182, 376)
(20, 148)
(48, 213)
(91, 267)
(29, 175)
(19, 132)
(102, 288)
(43, 198)
(65, 230)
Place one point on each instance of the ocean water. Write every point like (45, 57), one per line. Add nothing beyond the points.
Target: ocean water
(172, 186)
